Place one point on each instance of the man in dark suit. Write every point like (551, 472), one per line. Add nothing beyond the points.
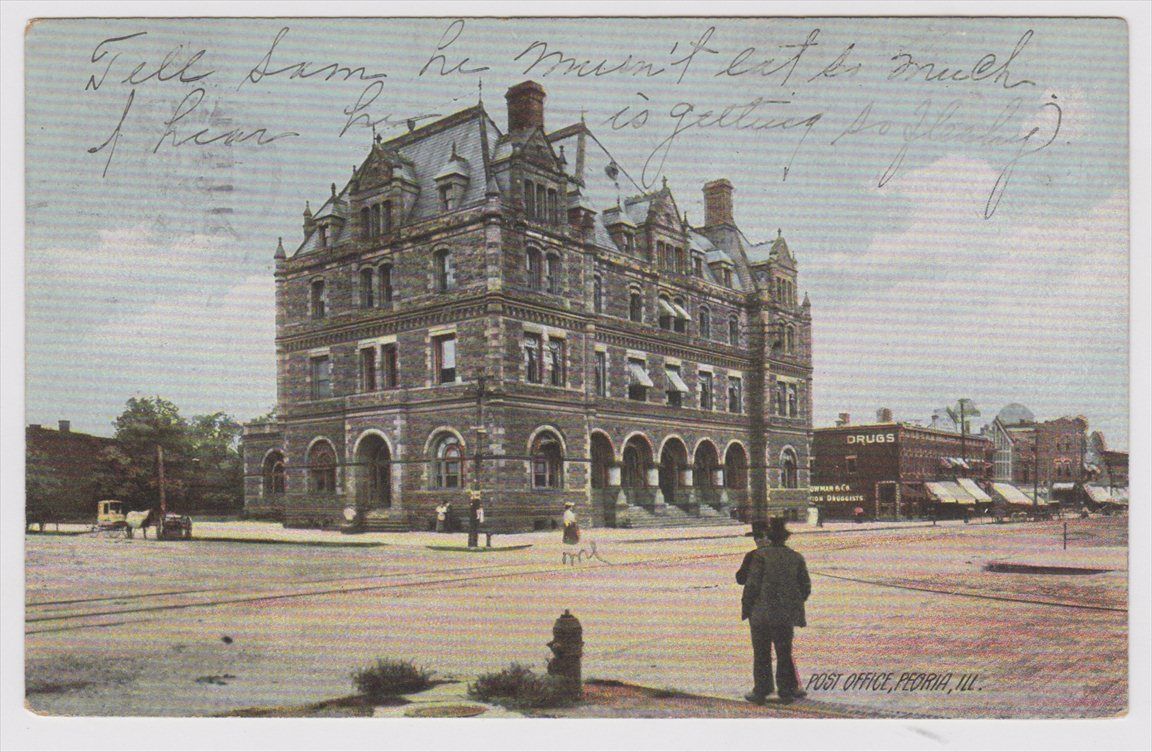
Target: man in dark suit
(759, 530)
(773, 603)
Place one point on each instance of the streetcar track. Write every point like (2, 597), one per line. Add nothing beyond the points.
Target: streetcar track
(659, 562)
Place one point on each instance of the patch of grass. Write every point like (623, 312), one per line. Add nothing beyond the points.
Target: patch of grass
(341, 707)
(389, 678)
(519, 687)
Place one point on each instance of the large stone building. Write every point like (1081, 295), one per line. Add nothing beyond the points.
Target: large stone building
(1045, 456)
(508, 313)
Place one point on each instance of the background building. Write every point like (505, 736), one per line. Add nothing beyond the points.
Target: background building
(892, 470)
(67, 472)
(508, 313)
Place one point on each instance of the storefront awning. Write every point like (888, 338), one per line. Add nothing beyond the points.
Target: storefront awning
(948, 493)
(974, 490)
(1010, 494)
(639, 375)
(675, 383)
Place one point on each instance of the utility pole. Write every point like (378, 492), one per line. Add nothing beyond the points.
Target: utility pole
(163, 495)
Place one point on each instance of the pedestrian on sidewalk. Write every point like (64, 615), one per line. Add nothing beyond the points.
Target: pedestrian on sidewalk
(441, 517)
(773, 603)
(571, 527)
(475, 520)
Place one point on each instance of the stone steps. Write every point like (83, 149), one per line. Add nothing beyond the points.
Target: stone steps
(672, 516)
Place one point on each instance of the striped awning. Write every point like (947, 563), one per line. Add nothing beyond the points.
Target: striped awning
(675, 383)
(974, 490)
(639, 374)
(1010, 494)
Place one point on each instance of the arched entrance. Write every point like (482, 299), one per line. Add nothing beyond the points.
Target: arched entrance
(673, 461)
(789, 477)
(736, 468)
(374, 471)
(705, 464)
(602, 456)
(273, 474)
(637, 459)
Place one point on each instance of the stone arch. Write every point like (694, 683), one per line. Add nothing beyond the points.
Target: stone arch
(673, 463)
(705, 464)
(789, 467)
(373, 470)
(636, 457)
(736, 466)
(272, 473)
(435, 434)
(546, 452)
(550, 429)
(602, 455)
(322, 463)
(445, 452)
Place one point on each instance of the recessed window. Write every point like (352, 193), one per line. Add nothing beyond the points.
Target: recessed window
(385, 223)
(704, 318)
(367, 226)
(445, 279)
(705, 380)
(697, 266)
(534, 263)
(445, 359)
(367, 288)
(447, 198)
(322, 468)
(530, 199)
(601, 373)
(639, 382)
(553, 269)
(635, 306)
(533, 358)
(735, 395)
(547, 462)
(368, 369)
(323, 236)
(680, 323)
(850, 464)
(321, 373)
(676, 388)
(386, 292)
(318, 299)
(389, 366)
(789, 469)
(447, 462)
(792, 401)
(598, 294)
(733, 331)
(557, 368)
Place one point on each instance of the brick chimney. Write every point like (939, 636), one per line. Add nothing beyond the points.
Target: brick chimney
(844, 419)
(884, 415)
(65, 426)
(718, 203)
(525, 106)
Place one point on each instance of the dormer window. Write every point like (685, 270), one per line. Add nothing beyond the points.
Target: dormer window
(323, 236)
(697, 266)
(446, 198)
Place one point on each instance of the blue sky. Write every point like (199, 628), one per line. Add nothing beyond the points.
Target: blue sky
(947, 252)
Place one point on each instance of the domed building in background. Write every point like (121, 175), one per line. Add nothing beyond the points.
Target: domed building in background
(1015, 414)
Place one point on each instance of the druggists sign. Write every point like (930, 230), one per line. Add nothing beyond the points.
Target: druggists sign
(873, 438)
(838, 494)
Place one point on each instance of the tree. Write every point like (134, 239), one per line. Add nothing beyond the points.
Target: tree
(218, 480)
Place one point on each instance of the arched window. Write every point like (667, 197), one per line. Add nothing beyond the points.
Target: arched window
(598, 294)
(322, 468)
(553, 271)
(447, 462)
(273, 474)
(535, 269)
(705, 326)
(733, 331)
(789, 476)
(367, 288)
(445, 280)
(635, 306)
(547, 462)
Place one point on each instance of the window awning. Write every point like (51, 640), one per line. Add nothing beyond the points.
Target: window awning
(666, 308)
(680, 311)
(974, 490)
(1063, 486)
(675, 383)
(639, 374)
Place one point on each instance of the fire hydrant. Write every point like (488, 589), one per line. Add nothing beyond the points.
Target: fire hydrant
(567, 649)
